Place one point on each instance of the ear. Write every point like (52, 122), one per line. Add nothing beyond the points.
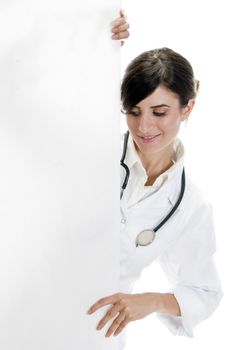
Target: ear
(188, 109)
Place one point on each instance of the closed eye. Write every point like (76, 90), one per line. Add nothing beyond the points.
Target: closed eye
(159, 114)
(154, 113)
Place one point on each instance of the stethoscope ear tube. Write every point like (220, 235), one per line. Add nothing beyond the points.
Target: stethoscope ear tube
(125, 146)
(123, 187)
(175, 206)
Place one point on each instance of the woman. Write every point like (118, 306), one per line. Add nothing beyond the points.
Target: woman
(158, 93)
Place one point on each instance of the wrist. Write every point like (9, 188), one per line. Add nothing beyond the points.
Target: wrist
(157, 301)
(165, 303)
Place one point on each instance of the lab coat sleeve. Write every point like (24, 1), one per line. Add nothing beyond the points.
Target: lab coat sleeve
(190, 267)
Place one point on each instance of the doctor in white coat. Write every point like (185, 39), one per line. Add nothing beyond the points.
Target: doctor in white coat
(158, 93)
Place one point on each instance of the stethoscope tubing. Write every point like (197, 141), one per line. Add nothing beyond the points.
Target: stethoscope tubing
(125, 182)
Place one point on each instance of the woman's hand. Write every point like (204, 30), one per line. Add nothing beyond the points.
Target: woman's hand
(120, 28)
(126, 308)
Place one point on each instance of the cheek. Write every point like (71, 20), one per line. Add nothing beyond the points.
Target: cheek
(132, 123)
(171, 124)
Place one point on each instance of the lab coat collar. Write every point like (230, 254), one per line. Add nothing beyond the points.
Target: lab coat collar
(172, 174)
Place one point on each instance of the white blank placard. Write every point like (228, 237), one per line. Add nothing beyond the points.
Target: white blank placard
(59, 172)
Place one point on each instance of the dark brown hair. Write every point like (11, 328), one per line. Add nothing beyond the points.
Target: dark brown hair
(152, 68)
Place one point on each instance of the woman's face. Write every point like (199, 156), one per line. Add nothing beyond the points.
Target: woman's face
(155, 121)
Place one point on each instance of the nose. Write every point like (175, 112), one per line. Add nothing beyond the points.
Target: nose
(146, 124)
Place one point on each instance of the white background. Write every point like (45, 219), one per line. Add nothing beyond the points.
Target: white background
(202, 32)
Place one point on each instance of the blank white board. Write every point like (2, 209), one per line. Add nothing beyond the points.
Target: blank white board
(59, 172)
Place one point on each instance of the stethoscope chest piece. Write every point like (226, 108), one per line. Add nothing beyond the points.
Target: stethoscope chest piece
(145, 237)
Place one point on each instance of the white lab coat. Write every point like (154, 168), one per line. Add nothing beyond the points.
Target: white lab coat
(183, 247)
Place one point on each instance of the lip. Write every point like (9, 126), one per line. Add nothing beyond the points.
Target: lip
(149, 140)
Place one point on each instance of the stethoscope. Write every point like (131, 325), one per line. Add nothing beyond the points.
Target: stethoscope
(147, 236)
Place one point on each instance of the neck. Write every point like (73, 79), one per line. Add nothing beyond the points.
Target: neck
(157, 163)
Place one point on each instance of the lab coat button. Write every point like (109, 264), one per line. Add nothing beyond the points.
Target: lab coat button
(123, 221)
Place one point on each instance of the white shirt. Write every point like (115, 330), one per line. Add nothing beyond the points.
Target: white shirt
(183, 247)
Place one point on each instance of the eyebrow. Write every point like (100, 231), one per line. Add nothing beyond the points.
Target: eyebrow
(162, 105)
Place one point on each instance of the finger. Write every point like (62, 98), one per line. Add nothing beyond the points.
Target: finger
(122, 13)
(122, 35)
(118, 21)
(120, 28)
(121, 327)
(111, 299)
(110, 314)
(116, 324)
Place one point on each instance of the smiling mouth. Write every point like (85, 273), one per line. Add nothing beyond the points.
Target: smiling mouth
(149, 137)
